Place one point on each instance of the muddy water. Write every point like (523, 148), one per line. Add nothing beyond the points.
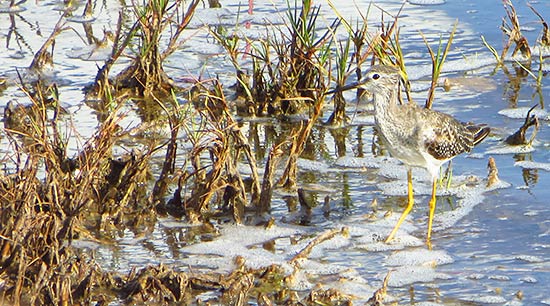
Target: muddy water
(490, 245)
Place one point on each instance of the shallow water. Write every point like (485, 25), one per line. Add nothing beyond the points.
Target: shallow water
(488, 245)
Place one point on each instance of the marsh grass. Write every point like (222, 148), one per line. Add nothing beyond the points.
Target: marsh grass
(288, 77)
(145, 76)
(544, 37)
(386, 49)
(214, 187)
(288, 67)
(50, 198)
(359, 37)
(356, 38)
(512, 29)
(231, 43)
(338, 116)
(537, 76)
(309, 55)
(437, 62)
(44, 57)
(43, 200)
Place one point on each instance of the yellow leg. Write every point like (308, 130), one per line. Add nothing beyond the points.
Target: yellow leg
(432, 211)
(408, 209)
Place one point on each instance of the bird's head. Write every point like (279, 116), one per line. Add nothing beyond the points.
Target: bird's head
(376, 79)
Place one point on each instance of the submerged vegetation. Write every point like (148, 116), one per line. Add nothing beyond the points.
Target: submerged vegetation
(52, 195)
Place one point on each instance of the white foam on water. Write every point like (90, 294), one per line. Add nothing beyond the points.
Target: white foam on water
(361, 119)
(476, 155)
(503, 278)
(410, 262)
(416, 265)
(468, 189)
(428, 304)
(370, 236)
(504, 149)
(321, 268)
(403, 241)
(469, 199)
(521, 113)
(246, 241)
(357, 162)
(335, 243)
(399, 188)
(529, 258)
(407, 275)
(532, 165)
(299, 281)
(476, 276)
(514, 303)
(485, 299)
(207, 48)
(418, 72)
(528, 279)
(357, 287)
(419, 257)
(426, 2)
(312, 165)
(81, 19)
(393, 168)
(532, 213)
(13, 9)
(341, 277)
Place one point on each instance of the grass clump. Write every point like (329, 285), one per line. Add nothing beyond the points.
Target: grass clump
(437, 63)
(145, 76)
(288, 66)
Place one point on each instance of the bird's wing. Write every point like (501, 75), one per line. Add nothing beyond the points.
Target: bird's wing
(446, 137)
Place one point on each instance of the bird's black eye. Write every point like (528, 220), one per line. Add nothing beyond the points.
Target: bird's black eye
(376, 76)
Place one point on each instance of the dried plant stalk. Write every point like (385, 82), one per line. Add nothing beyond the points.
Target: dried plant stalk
(519, 137)
(513, 32)
(492, 177)
(545, 35)
(304, 253)
(267, 183)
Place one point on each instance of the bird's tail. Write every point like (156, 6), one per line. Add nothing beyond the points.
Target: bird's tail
(480, 131)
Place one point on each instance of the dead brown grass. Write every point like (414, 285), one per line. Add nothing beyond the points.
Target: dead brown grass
(512, 29)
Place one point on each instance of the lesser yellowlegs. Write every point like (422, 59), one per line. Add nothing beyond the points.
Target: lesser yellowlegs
(417, 136)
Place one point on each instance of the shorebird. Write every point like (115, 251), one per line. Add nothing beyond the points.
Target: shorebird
(417, 136)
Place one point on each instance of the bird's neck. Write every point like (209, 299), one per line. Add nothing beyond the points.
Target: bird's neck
(385, 102)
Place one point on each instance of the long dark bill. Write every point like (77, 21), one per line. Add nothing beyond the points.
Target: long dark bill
(344, 88)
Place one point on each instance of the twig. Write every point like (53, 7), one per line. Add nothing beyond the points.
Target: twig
(492, 177)
(318, 240)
